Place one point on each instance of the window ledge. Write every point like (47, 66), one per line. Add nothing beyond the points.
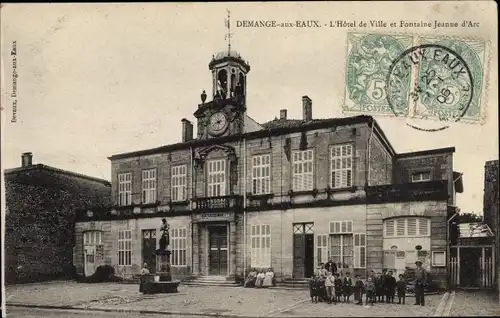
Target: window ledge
(150, 204)
(406, 236)
(263, 196)
(343, 189)
(185, 202)
(124, 207)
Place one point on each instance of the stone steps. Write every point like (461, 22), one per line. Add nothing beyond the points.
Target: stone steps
(220, 281)
(293, 284)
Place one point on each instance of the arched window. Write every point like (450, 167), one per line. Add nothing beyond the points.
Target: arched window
(407, 227)
(241, 82)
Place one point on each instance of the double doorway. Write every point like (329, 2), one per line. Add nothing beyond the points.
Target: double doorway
(303, 250)
(218, 250)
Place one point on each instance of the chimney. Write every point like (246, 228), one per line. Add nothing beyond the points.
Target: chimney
(187, 130)
(307, 108)
(283, 114)
(26, 159)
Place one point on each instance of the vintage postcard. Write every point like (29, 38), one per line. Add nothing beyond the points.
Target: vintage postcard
(284, 159)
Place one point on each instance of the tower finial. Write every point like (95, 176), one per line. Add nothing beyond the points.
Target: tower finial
(229, 34)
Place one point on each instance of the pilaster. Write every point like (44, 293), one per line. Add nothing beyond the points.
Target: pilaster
(232, 248)
(196, 249)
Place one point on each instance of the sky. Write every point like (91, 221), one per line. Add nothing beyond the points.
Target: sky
(102, 79)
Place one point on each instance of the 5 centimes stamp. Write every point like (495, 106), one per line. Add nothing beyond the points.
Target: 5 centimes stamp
(369, 57)
(450, 80)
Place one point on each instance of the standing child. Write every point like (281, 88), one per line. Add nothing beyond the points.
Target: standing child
(313, 288)
(329, 283)
(379, 288)
(390, 287)
(338, 287)
(370, 291)
(358, 290)
(383, 279)
(321, 288)
(401, 289)
(347, 286)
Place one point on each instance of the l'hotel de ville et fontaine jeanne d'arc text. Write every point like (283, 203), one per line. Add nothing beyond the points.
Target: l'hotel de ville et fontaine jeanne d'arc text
(354, 24)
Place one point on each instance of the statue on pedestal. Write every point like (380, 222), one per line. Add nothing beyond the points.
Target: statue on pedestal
(163, 282)
(165, 235)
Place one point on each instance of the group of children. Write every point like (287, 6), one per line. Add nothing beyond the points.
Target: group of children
(332, 288)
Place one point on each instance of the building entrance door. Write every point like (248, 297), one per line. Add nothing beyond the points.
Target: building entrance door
(217, 250)
(148, 249)
(303, 250)
(91, 242)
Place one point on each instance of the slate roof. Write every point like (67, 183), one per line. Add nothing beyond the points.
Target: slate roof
(15, 173)
(291, 123)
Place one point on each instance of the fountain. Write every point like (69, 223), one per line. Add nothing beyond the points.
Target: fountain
(162, 282)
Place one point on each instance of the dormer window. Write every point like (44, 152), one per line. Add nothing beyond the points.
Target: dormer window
(421, 176)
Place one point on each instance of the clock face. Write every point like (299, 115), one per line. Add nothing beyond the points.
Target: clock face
(217, 123)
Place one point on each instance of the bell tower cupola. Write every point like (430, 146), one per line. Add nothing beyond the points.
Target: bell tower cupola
(229, 72)
(229, 76)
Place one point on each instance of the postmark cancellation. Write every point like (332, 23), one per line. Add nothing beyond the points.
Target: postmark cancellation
(416, 77)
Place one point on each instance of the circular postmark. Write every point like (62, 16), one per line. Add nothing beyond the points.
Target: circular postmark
(441, 83)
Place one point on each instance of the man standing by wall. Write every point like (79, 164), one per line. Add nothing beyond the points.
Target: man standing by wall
(420, 279)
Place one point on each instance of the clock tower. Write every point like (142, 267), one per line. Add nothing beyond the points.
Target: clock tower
(225, 114)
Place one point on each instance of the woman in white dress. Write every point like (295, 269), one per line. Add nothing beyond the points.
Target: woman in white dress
(268, 279)
(260, 279)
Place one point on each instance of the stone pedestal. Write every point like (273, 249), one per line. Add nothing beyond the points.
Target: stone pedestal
(163, 265)
(162, 281)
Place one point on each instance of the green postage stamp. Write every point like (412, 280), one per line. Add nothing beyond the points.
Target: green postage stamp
(420, 77)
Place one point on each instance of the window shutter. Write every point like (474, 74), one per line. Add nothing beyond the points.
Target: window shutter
(389, 227)
(412, 226)
(423, 226)
(400, 227)
(360, 250)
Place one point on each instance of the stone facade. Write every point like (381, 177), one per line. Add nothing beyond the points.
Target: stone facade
(40, 223)
(295, 224)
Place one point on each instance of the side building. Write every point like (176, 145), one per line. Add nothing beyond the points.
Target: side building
(286, 194)
(490, 206)
(40, 218)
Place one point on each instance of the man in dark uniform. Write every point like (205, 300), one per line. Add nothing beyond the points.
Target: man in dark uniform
(331, 267)
(420, 279)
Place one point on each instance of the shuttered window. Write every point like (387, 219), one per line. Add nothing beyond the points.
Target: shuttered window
(261, 246)
(359, 250)
(261, 174)
(303, 171)
(341, 166)
(407, 227)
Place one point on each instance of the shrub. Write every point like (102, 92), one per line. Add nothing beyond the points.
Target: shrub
(103, 273)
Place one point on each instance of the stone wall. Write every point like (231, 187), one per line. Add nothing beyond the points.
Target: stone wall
(320, 140)
(110, 231)
(39, 228)
(376, 215)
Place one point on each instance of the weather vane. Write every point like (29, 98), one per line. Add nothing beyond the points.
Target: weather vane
(229, 34)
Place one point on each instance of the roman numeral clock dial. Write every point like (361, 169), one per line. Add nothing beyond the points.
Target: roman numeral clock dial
(217, 124)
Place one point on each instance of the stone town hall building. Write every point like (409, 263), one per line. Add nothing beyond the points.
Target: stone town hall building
(286, 194)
